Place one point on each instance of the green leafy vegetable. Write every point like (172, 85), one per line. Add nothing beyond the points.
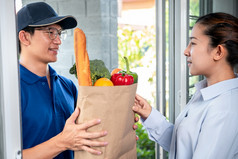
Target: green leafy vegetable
(97, 69)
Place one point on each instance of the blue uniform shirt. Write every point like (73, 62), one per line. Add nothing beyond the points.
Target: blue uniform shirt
(44, 110)
(206, 128)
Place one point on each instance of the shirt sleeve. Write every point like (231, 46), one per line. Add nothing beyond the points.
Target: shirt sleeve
(218, 136)
(159, 129)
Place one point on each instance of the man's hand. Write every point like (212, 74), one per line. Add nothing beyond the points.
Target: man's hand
(76, 137)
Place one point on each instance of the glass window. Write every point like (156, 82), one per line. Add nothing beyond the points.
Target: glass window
(196, 8)
(193, 16)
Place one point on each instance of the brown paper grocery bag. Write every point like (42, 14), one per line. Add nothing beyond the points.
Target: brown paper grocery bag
(113, 105)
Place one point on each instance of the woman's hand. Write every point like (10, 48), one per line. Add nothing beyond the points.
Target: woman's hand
(76, 137)
(141, 107)
(135, 126)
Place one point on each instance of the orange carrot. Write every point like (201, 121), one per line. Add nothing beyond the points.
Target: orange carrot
(81, 58)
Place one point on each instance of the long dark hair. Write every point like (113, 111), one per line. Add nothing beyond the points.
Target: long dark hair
(222, 28)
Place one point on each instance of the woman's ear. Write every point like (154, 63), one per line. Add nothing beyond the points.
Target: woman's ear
(24, 37)
(220, 53)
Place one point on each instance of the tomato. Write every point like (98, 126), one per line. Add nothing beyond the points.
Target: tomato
(116, 70)
(103, 82)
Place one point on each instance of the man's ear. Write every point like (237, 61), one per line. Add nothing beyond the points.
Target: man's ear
(24, 37)
(220, 53)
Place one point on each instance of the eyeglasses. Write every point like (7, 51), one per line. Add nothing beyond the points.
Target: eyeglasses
(53, 33)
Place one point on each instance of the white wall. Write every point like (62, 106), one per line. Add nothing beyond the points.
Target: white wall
(227, 6)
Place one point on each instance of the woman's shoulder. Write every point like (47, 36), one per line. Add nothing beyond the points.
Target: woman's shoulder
(226, 102)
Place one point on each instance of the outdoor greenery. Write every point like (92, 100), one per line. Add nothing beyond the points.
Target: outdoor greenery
(135, 45)
(193, 16)
(139, 47)
(145, 147)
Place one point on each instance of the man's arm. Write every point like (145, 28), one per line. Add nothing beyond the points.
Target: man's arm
(73, 137)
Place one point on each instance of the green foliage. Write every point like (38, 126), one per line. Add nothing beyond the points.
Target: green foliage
(193, 11)
(97, 70)
(145, 147)
(194, 7)
(134, 44)
(139, 47)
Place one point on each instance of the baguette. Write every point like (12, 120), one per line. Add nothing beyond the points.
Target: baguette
(81, 58)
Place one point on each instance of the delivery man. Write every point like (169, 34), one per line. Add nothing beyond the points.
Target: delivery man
(47, 98)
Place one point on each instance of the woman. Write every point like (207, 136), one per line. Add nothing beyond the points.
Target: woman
(207, 127)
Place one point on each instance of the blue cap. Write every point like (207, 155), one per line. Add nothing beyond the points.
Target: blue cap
(41, 14)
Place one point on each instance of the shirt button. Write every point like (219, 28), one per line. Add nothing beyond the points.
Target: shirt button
(43, 83)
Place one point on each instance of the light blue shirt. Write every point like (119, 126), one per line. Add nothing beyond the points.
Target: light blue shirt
(207, 128)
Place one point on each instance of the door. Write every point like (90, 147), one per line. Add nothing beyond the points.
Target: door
(10, 125)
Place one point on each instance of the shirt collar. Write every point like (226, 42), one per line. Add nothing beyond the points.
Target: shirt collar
(216, 89)
(31, 78)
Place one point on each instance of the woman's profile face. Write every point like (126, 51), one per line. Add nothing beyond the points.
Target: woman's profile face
(199, 53)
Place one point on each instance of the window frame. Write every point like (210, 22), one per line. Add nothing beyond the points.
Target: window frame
(178, 26)
(10, 123)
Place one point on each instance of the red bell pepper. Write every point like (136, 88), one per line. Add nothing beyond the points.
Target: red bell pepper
(122, 79)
